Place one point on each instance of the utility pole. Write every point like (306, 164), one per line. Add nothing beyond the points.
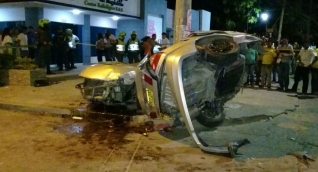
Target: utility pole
(281, 22)
(182, 20)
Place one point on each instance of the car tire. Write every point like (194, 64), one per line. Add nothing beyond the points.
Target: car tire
(211, 120)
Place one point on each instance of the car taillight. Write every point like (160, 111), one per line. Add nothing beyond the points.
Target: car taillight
(154, 60)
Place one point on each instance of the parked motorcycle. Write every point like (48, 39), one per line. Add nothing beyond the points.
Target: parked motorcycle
(190, 80)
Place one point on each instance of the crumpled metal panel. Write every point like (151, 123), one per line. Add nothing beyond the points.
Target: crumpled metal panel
(107, 72)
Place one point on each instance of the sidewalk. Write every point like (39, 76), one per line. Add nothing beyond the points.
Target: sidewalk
(59, 98)
(65, 75)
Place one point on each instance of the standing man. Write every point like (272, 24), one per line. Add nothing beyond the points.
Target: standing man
(120, 46)
(31, 42)
(165, 41)
(44, 45)
(61, 46)
(153, 43)
(314, 75)
(250, 59)
(24, 50)
(109, 42)
(73, 40)
(267, 65)
(304, 59)
(133, 47)
(286, 53)
(258, 65)
(296, 48)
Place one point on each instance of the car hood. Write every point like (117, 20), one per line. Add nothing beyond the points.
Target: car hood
(107, 72)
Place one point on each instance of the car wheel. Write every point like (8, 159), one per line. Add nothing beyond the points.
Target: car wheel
(211, 115)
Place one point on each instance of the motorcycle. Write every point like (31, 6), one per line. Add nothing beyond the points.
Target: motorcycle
(190, 80)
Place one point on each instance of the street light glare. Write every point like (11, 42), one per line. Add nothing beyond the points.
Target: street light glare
(264, 16)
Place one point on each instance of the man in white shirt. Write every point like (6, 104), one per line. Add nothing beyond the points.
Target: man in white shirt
(73, 41)
(304, 58)
(23, 37)
(286, 53)
(7, 42)
(165, 41)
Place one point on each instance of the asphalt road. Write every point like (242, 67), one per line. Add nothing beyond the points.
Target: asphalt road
(276, 124)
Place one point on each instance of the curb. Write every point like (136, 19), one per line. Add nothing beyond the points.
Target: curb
(53, 78)
(30, 108)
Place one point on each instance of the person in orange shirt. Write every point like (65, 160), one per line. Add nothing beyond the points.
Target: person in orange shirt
(147, 47)
(267, 65)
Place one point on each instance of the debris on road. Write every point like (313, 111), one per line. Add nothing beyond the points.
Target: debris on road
(162, 127)
(149, 126)
(303, 157)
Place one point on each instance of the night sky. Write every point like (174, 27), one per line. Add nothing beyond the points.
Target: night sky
(208, 5)
(213, 6)
(272, 7)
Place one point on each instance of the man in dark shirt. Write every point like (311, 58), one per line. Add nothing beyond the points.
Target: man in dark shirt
(60, 42)
(43, 40)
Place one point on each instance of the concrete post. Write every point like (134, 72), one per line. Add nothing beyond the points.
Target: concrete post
(32, 16)
(182, 19)
(86, 36)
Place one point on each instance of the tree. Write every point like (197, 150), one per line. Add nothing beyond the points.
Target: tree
(240, 12)
(300, 20)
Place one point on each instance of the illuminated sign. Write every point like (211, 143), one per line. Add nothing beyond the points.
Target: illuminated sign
(124, 7)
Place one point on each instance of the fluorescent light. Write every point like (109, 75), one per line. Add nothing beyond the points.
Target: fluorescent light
(115, 17)
(76, 11)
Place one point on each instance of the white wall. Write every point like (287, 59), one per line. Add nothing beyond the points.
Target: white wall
(12, 14)
(154, 26)
(105, 22)
(63, 16)
(205, 20)
(170, 18)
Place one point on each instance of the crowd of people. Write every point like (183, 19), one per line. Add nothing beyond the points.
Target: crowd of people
(40, 45)
(134, 49)
(276, 64)
(18, 39)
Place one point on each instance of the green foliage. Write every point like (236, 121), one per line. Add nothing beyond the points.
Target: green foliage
(24, 63)
(240, 12)
(230, 25)
(7, 61)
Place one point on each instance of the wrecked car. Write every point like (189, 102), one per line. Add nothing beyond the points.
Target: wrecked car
(190, 80)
